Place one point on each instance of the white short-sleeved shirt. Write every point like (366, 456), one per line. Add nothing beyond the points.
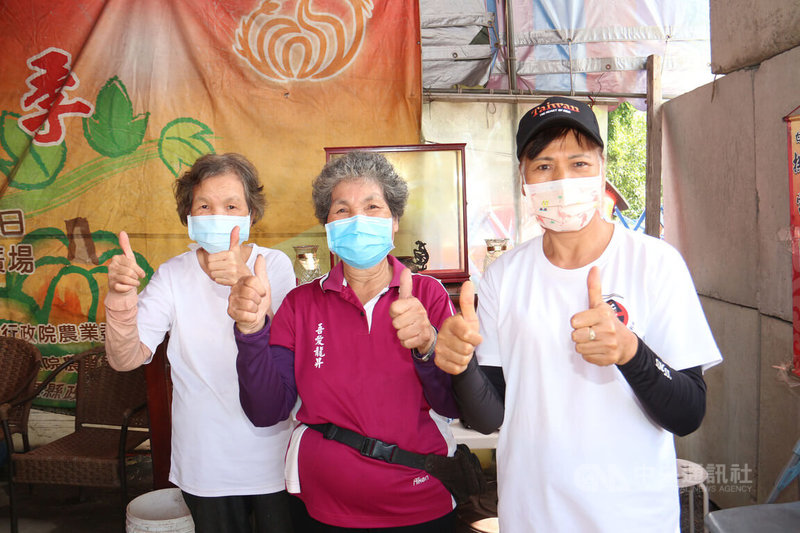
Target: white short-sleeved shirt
(216, 450)
(576, 451)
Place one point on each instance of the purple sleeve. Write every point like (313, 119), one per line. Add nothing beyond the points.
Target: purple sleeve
(436, 384)
(267, 390)
(437, 387)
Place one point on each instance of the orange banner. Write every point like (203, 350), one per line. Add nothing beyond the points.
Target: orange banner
(104, 103)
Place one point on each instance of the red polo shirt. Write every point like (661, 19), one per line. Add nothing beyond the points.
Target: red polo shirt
(361, 378)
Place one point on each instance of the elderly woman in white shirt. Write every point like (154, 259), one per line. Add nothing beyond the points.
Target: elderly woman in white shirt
(227, 469)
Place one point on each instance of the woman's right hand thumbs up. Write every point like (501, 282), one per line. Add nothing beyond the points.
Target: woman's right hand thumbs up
(123, 272)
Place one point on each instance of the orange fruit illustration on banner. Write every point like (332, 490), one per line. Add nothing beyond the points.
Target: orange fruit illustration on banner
(306, 45)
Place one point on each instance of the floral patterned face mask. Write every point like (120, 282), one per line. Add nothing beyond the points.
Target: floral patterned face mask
(564, 205)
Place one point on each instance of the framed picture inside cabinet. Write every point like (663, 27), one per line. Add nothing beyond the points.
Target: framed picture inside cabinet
(432, 238)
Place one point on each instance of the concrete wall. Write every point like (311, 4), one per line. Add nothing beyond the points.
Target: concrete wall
(744, 33)
(726, 208)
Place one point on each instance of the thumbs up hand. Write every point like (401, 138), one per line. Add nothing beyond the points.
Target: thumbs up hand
(459, 335)
(123, 272)
(598, 334)
(227, 267)
(250, 299)
(410, 318)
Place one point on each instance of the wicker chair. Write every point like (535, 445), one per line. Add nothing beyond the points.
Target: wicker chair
(107, 404)
(20, 361)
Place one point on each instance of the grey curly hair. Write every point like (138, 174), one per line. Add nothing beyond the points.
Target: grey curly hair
(210, 165)
(353, 166)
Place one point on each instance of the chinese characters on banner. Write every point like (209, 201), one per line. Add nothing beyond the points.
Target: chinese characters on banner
(18, 266)
(35, 302)
(47, 101)
(793, 130)
(55, 333)
(19, 257)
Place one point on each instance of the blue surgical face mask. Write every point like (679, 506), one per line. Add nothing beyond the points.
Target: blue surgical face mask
(213, 232)
(360, 241)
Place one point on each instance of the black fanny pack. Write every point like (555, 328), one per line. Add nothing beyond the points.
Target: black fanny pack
(461, 474)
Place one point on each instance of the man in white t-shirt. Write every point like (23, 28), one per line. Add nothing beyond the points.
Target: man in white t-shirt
(230, 471)
(591, 343)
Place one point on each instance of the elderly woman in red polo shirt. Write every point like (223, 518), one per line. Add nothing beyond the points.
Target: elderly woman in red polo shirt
(357, 346)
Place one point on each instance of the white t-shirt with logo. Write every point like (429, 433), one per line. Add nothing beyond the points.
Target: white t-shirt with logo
(216, 450)
(576, 451)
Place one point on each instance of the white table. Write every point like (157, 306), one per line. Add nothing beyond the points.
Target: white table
(474, 439)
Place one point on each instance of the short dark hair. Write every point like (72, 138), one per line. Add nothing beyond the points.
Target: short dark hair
(354, 166)
(210, 165)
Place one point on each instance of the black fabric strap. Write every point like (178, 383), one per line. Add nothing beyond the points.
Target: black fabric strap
(373, 448)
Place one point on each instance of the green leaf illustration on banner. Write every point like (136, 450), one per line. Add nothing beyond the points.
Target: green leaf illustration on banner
(113, 130)
(31, 166)
(5, 167)
(76, 181)
(182, 142)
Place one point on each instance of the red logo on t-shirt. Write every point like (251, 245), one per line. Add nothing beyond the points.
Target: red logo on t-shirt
(622, 313)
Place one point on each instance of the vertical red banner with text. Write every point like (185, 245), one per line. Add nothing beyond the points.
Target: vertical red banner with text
(793, 132)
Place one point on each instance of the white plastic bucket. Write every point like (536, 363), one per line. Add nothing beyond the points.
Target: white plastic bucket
(159, 510)
(486, 525)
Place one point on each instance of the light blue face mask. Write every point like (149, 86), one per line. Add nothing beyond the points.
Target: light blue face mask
(213, 232)
(360, 241)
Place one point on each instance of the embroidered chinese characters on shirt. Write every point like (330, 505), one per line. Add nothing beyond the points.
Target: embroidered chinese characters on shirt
(319, 346)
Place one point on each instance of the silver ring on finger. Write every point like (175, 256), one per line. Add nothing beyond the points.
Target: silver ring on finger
(592, 335)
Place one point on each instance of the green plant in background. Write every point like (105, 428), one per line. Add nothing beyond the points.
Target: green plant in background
(626, 155)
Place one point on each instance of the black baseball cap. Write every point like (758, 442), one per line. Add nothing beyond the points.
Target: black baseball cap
(557, 111)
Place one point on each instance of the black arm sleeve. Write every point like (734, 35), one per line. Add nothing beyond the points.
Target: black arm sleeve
(674, 399)
(480, 404)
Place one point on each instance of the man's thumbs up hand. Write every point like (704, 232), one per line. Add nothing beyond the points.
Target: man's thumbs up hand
(594, 288)
(466, 300)
(599, 336)
(459, 335)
